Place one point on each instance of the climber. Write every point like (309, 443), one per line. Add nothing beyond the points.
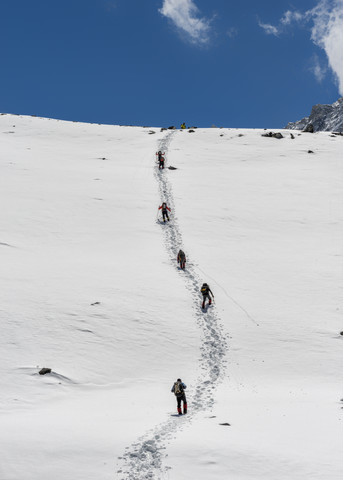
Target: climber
(179, 391)
(165, 209)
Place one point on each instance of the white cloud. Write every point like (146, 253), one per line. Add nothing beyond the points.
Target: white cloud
(269, 29)
(289, 16)
(327, 33)
(185, 16)
(317, 69)
(286, 19)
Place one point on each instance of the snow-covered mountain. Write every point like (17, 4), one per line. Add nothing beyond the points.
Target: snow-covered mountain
(90, 287)
(328, 118)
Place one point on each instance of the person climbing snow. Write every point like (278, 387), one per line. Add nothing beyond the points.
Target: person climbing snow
(160, 159)
(179, 391)
(206, 291)
(183, 126)
(165, 209)
(181, 259)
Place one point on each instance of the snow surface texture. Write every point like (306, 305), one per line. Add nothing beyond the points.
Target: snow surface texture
(90, 288)
(327, 118)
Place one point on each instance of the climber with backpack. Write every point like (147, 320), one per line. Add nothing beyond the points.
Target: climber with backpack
(206, 291)
(181, 259)
(160, 159)
(165, 209)
(179, 391)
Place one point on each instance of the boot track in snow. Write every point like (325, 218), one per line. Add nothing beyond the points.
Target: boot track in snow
(145, 459)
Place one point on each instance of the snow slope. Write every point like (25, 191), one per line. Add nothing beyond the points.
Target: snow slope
(91, 289)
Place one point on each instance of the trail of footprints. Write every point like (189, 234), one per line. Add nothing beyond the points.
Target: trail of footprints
(146, 458)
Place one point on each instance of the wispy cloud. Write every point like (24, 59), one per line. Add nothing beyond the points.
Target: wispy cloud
(286, 19)
(232, 32)
(110, 5)
(269, 29)
(318, 70)
(289, 17)
(185, 16)
(326, 32)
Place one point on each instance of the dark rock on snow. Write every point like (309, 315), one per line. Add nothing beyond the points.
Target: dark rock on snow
(225, 424)
(309, 128)
(310, 151)
(172, 168)
(272, 135)
(191, 131)
(172, 128)
(44, 371)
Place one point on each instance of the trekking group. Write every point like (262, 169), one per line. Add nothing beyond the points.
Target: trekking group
(179, 387)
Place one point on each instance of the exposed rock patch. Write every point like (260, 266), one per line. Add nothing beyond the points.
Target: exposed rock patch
(272, 135)
(326, 118)
(309, 128)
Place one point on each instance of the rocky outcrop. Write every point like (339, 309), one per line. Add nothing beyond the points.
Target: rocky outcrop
(272, 135)
(326, 118)
(309, 128)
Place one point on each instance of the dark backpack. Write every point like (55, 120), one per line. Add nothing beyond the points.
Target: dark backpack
(205, 289)
(178, 389)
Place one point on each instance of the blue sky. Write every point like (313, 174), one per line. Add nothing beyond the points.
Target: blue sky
(229, 63)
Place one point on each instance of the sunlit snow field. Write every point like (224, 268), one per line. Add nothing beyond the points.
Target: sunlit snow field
(90, 289)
